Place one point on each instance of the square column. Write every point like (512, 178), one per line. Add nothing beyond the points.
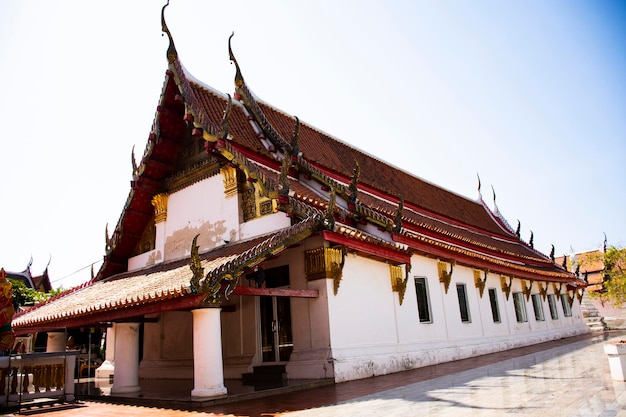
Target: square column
(126, 375)
(208, 371)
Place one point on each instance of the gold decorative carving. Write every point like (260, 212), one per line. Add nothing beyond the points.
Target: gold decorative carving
(192, 174)
(398, 281)
(159, 202)
(248, 202)
(557, 290)
(480, 282)
(229, 177)
(526, 290)
(266, 207)
(148, 238)
(325, 262)
(506, 288)
(444, 276)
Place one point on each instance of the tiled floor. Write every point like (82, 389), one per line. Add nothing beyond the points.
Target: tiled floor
(568, 377)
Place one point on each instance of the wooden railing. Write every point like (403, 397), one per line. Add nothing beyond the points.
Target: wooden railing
(37, 375)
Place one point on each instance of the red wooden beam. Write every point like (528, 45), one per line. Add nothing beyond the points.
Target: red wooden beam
(368, 248)
(472, 262)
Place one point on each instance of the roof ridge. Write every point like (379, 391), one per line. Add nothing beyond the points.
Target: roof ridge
(229, 272)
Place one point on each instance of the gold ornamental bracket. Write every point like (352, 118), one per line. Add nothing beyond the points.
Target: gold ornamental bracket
(527, 289)
(159, 202)
(399, 279)
(557, 290)
(480, 282)
(325, 263)
(444, 276)
(506, 287)
(229, 178)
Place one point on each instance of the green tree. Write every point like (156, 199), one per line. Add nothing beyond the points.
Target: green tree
(23, 296)
(614, 279)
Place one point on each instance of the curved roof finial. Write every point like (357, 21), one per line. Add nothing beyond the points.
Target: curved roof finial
(295, 136)
(224, 125)
(133, 161)
(238, 76)
(172, 55)
(493, 190)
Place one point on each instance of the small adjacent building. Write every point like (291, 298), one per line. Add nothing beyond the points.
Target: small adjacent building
(251, 239)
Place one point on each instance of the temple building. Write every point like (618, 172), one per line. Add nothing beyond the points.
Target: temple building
(251, 240)
(39, 283)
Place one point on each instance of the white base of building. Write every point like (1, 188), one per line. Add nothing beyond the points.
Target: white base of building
(365, 362)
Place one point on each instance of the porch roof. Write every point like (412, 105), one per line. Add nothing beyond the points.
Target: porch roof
(116, 298)
(123, 296)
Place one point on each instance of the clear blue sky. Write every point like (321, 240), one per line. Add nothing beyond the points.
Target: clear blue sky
(530, 95)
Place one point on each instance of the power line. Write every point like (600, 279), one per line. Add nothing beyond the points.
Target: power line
(75, 272)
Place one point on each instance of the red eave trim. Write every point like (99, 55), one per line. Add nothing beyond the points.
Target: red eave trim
(124, 312)
(539, 262)
(367, 248)
(178, 303)
(472, 262)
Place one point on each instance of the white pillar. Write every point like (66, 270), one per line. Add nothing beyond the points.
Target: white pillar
(56, 342)
(208, 371)
(126, 379)
(108, 366)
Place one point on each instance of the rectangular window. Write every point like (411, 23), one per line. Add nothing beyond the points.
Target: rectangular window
(520, 307)
(463, 307)
(423, 305)
(538, 307)
(495, 310)
(567, 311)
(554, 313)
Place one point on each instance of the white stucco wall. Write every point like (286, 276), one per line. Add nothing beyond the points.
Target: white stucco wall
(372, 334)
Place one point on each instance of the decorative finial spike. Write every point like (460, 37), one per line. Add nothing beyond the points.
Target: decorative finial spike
(133, 161)
(172, 55)
(295, 137)
(238, 75)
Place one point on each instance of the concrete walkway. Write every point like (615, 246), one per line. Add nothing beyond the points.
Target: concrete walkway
(568, 377)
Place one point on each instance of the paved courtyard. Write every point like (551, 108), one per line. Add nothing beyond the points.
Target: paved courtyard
(569, 377)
